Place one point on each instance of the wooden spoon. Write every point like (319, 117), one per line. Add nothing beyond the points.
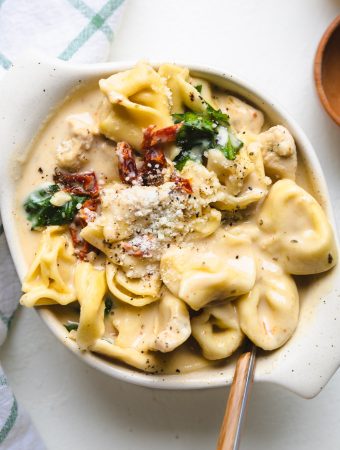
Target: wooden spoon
(327, 70)
(230, 433)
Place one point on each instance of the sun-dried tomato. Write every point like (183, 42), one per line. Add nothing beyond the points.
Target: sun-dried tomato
(152, 170)
(136, 250)
(126, 163)
(86, 214)
(83, 183)
(182, 183)
(153, 137)
(81, 247)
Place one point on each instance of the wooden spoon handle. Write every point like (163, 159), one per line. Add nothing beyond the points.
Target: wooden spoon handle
(243, 378)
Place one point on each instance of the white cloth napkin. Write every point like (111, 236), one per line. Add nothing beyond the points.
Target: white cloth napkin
(76, 30)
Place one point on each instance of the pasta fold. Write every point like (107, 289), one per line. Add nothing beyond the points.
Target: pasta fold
(269, 313)
(304, 245)
(215, 268)
(243, 117)
(134, 291)
(183, 94)
(141, 332)
(90, 287)
(217, 330)
(50, 278)
(134, 100)
(243, 181)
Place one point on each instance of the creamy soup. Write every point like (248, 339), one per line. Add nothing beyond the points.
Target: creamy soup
(163, 222)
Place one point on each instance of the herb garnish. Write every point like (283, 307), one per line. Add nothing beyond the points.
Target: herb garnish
(41, 212)
(108, 306)
(202, 131)
(71, 326)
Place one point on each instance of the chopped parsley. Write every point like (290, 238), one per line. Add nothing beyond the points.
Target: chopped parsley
(108, 306)
(202, 131)
(41, 212)
(199, 88)
(71, 326)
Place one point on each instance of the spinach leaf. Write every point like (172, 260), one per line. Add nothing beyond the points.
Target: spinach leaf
(40, 211)
(71, 326)
(199, 132)
(108, 306)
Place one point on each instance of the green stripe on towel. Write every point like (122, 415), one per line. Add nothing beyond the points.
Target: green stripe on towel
(4, 62)
(89, 13)
(95, 24)
(10, 421)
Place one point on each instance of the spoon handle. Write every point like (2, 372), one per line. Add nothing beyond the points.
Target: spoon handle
(229, 438)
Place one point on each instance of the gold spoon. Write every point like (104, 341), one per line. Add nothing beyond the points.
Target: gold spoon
(230, 433)
(327, 70)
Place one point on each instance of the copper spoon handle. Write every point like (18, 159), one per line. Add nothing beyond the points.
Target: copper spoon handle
(229, 438)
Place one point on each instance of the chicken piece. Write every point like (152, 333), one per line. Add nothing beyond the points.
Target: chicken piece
(72, 153)
(279, 153)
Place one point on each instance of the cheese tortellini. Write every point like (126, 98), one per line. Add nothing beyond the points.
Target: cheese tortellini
(134, 291)
(183, 94)
(269, 311)
(243, 117)
(215, 268)
(134, 100)
(182, 235)
(302, 245)
(91, 287)
(50, 279)
(139, 332)
(217, 330)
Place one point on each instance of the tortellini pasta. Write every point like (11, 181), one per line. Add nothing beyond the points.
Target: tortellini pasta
(269, 312)
(215, 268)
(135, 291)
(304, 245)
(204, 182)
(135, 99)
(183, 94)
(50, 279)
(217, 330)
(139, 332)
(91, 287)
(142, 360)
(243, 117)
(243, 181)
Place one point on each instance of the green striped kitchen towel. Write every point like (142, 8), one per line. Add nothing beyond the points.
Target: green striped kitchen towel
(76, 30)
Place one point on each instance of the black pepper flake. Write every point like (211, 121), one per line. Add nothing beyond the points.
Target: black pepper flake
(260, 222)
(178, 371)
(40, 170)
(330, 258)
(294, 241)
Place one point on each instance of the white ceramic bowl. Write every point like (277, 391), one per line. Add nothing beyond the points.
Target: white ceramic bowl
(29, 93)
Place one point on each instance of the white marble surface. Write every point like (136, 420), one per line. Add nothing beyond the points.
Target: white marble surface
(271, 43)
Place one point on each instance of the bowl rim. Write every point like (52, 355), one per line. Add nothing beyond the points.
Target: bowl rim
(318, 63)
(36, 62)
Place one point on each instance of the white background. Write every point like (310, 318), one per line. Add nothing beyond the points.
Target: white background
(270, 43)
